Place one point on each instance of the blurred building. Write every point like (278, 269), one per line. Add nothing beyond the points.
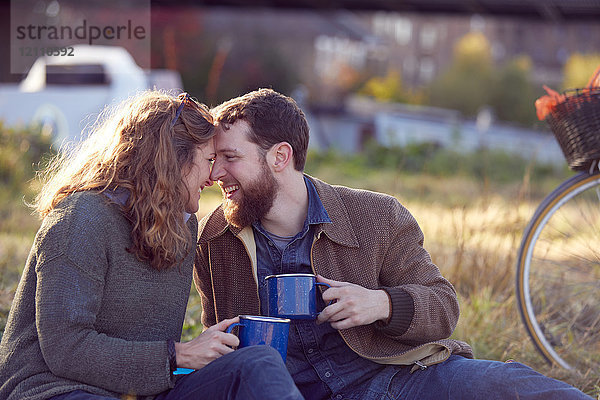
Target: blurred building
(333, 50)
(422, 44)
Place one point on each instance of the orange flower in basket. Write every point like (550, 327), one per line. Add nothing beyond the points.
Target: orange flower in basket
(545, 104)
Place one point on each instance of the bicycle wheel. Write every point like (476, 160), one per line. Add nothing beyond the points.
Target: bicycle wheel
(558, 275)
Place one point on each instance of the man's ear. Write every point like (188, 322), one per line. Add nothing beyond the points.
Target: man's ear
(281, 154)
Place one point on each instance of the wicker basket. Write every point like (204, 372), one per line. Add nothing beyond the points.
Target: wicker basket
(576, 125)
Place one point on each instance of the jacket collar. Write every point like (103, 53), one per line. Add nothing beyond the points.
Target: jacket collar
(339, 230)
(214, 225)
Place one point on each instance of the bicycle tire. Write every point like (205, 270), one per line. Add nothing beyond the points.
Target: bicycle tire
(558, 275)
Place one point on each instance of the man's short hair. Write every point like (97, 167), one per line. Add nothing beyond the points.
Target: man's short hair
(273, 118)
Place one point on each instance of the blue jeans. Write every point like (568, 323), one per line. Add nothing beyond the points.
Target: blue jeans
(460, 378)
(255, 373)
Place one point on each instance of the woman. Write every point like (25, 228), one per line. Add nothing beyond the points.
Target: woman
(102, 299)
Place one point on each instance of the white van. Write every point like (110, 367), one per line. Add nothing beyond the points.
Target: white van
(66, 94)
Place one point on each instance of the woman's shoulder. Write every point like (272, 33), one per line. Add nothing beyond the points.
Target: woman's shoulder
(89, 198)
(88, 203)
(81, 227)
(80, 211)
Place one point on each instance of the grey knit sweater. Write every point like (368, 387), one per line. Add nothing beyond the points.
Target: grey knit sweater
(88, 314)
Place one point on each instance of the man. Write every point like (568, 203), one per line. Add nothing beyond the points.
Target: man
(386, 333)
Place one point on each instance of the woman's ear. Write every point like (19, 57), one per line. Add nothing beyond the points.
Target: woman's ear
(282, 154)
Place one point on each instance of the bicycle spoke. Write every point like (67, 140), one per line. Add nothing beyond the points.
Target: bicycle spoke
(559, 275)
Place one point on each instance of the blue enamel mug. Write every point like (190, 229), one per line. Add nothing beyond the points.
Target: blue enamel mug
(260, 330)
(293, 296)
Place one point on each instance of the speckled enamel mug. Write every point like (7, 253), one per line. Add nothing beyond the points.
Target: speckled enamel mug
(293, 296)
(260, 330)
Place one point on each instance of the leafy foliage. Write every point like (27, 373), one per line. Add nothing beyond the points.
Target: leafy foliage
(512, 96)
(467, 83)
(471, 83)
(390, 88)
(21, 149)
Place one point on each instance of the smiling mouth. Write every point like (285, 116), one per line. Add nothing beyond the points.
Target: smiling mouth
(230, 190)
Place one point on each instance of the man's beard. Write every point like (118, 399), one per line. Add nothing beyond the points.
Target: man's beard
(256, 200)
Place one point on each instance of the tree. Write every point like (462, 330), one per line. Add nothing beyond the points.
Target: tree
(465, 86)
(473, 82)
(386, 88)
(512, 96)
(390, 88)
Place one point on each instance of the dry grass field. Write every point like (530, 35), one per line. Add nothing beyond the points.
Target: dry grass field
(472, 229)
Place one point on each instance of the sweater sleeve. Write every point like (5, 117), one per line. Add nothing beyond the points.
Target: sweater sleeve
(70, 273)
(402, 307)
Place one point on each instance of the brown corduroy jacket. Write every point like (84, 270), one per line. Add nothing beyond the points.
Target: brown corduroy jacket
(373, 241)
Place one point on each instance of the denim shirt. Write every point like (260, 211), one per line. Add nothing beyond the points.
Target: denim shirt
(318, 359)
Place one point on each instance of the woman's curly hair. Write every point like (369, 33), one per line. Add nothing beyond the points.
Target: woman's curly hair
(134, 147)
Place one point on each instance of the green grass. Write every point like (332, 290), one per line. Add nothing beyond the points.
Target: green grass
(472, 210)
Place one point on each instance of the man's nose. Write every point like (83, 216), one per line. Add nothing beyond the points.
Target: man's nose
(217, 172)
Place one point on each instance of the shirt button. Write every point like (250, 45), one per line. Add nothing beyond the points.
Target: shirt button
(339, 397)
(271, 244)
(327, 374)
(310, 351)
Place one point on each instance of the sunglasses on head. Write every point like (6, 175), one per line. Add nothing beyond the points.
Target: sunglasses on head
(185, 99)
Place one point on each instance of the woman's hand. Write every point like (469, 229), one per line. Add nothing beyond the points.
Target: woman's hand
(208, 346)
